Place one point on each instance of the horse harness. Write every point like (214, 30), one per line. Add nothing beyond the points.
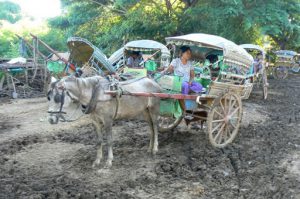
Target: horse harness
(114, 85)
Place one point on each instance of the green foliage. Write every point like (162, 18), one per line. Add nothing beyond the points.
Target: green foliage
(9, 44)
(13, 51)
(109, 24)
(56, 39)
(281, 21)
(9, 11)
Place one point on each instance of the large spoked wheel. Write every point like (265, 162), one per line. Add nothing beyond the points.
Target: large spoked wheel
(270, 72)
(224, 120)
(168, 123)
(281, 72)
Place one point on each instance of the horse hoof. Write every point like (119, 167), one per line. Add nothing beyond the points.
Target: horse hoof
(154, 152)
(96, 163)
(104, 172)
(108, 164)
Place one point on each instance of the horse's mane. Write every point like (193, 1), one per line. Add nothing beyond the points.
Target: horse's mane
(87, 82)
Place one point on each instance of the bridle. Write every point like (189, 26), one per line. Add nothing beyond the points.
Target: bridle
(61, 100)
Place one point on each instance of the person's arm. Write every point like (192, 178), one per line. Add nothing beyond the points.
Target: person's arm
(130, 62)
(170, 69)
(192, 75)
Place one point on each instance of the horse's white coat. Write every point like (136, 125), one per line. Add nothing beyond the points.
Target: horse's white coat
(80, 89)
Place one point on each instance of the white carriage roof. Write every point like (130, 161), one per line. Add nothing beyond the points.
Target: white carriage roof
(117, 55)
(147, 45)
(286, 53)
(253, 46)
(233, 54)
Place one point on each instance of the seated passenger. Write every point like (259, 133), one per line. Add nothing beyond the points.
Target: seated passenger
(134, 60)
(258, 61)
(214, 66)
(183, 67)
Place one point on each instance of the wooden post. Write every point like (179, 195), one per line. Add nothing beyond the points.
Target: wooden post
(34, 58)
(26, 75)
(45, 77)
(2, 81)
(8, 83)
(50, 49)
(32, 48)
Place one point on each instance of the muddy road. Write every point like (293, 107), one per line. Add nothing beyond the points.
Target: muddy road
(39, 160)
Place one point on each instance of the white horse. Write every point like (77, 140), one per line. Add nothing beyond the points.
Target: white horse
(104, 108)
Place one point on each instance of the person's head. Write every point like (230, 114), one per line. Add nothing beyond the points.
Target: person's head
(212, 58)
(185, 52)
(259, 56)
(135, 54)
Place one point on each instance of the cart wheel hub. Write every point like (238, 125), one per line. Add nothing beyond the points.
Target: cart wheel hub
(227, 119)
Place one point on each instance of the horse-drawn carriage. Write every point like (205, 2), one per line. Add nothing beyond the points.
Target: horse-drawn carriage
(286, 60)
(220, 105)
(226, 84)
(259, 70)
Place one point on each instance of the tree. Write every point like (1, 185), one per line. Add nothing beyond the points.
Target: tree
(109, 24)
(9, 11)
(8, 44)
(281, 21)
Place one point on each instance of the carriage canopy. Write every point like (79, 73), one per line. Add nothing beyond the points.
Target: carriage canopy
(286, 53)
(147, 45)
(254, 47)
(232, 53)
(82, 51)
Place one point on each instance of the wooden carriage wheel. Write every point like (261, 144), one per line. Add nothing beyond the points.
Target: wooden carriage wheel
(224, 120)
(265, 84)
(262, 83)
(281, 72)
(168, 123)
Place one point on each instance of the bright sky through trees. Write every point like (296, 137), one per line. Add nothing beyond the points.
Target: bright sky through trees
(40, 9)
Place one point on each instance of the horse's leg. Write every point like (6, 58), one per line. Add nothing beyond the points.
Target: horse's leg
(109, 142)
(149, 120)
(98, 127)
(154, 116)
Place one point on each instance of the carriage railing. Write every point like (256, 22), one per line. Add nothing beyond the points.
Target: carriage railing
(236, 83)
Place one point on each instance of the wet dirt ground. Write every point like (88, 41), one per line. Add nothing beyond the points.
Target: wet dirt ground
(39, 160)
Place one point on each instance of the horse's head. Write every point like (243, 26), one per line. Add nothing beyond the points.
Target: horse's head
(59, 98)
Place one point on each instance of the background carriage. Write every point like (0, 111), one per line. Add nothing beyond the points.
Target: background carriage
(84, 55)
(155, 56)
(286, 60)
(258, 77)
